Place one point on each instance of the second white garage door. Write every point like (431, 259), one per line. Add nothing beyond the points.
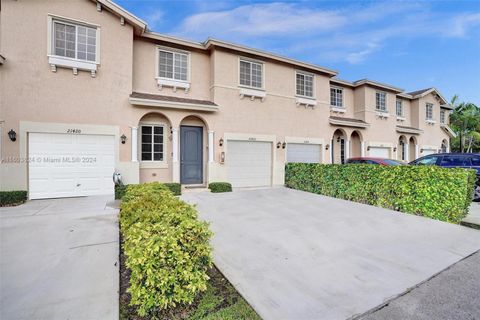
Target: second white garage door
(68, 165)
(249, 163)
(303, 152)
(379, 152)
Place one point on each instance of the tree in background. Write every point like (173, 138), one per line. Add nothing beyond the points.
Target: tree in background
(465, 121)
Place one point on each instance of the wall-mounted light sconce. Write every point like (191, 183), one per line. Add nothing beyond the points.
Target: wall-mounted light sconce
(338, 139)
(368, 148)
(394, 149)
(220, 142)
(279, 144)
(222, 157)
(284, 144)
(12, 135)
(327, 146)
(421, 150)
(123, 138)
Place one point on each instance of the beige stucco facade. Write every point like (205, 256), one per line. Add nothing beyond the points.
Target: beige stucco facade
(37, 96)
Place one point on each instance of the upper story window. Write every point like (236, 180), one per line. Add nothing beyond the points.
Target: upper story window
(251, 74)
(74, 41)
(442, 116)
(172, 65)
(336, 97)
(304, 84)
(399, 108)
(152, 142)
(381, 101)
(429, 111)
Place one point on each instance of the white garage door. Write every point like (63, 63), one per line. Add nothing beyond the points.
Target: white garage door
(68, 165)
(249, 163)
(302, 152)
(426, 152)
(379, 152)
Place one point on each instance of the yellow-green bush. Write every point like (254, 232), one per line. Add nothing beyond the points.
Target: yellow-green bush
(166, 247)
(439, 193)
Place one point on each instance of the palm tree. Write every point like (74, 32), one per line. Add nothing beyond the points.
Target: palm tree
(465, 121)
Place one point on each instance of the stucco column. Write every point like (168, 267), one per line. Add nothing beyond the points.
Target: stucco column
(362, 149)
(407, 152)
(210, 146)
(331, 151)
(175, 164)
(134, 143)
(347, 149)
(416, 151)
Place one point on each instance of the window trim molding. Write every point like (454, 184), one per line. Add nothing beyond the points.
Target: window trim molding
(55, 60)
(171, 82)
(385, 111)
(402, 113)
(444, 113)
(429, 119)
(250, 60)
(146, 164)
(305, 73)
(330, 97)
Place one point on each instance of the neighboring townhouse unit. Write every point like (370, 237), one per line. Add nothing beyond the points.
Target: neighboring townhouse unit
(87, 90)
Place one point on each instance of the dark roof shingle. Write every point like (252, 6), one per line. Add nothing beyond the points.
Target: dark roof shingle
(414, 93)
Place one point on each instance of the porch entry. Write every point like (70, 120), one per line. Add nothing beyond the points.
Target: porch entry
(191, 155)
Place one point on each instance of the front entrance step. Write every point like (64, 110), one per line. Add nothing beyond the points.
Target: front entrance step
(194, 188)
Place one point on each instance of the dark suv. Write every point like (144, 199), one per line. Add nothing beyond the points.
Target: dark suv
(454, 160)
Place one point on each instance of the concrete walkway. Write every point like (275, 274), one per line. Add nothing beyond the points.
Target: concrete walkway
(473, 217)
(59, 260)
(297, 255)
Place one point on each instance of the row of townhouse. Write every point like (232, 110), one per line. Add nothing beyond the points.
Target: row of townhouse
(87, 90)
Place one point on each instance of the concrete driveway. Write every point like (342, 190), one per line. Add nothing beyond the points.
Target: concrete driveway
(297, 255)
(59, 260)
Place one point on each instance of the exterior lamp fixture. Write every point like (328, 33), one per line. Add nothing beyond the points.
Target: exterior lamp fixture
(12, 135)
(327, 146)
(338, 139)
(368, 148)
(284, 145)
(279, 144)
(421, 150)
(123, 138)
(220, 142)
(395, 149)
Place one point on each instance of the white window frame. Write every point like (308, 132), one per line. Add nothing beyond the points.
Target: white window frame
(399, 103)
(443, 116)
(377, 106)
(251, 61)
(305, 74)
(342, 106)
(428, 106)
(152, 125)
(172, 82)
(66, 62)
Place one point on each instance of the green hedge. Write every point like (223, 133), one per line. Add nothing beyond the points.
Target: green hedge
(166, 247)
(439, 193)
(217, 187)
(9, 198)
(174, 187)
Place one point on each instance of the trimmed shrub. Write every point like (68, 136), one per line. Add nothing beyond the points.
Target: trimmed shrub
(175, 188)
(439, 193)
(11, 198)
(217, 187)
(166, 247)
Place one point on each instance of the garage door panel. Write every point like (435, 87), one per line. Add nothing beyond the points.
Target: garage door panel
(70, 165)
(303, 153)
(379, 152)
(249, 163)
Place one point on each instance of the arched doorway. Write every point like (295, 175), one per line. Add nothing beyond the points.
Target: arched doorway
(444, 147)
(356, 144)
(154, 145)
(412, 143)
(402, 149)
(193, 135)
(338, 146)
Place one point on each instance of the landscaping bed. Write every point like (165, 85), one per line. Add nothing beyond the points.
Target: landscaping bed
(12, 198)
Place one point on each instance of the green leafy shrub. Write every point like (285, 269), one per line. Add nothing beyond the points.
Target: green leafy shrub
(166, 247)
(439, 193)
(174, 187)
(220, 187)
(9, 198)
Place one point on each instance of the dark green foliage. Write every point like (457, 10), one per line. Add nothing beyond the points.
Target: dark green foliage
(120, 191)
(439, 193)
(166, 247)
(9, 198)
(175, 187)
(217, 187)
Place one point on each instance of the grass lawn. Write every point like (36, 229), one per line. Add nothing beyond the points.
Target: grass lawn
(220, 302)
